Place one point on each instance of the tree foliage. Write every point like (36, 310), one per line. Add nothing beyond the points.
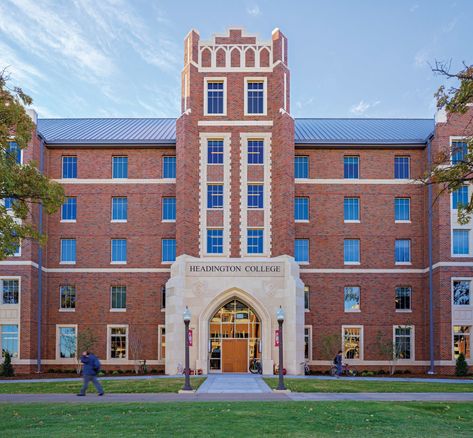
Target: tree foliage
(23, 184)
(461, 367)
(7, 367)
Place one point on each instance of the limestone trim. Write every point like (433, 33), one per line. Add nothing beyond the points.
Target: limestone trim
(235, 123)
(116, 181)
(356, 181)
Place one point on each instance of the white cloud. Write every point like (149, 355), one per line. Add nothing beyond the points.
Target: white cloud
(253, 10)
(421, 58)
(362, 107)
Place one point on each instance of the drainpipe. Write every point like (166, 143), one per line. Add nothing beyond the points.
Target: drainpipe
(431, 284)
(40, 267)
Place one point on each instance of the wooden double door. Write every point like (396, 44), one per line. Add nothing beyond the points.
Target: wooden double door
(234, 355)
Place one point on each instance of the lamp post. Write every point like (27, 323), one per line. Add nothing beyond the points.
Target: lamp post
(280, 318)
(186, 316)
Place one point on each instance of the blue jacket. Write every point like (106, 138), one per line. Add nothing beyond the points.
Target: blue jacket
(91, 365)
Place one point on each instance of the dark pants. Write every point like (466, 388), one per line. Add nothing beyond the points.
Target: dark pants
(87, 380)
(339, 369)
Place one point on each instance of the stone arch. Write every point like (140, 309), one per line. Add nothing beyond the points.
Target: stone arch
(206, 57)
(250, 57)
(220, 57)
(264, 57)
(235, 57)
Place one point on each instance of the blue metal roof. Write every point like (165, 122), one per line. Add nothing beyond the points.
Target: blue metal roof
(163, 131)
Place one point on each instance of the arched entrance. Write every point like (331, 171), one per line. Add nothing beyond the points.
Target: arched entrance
(234, 337)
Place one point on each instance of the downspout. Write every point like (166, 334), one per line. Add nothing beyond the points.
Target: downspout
(431, 284)
(40, 268)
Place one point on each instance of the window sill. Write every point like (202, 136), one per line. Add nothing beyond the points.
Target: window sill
(255, 164)
(122, 179)
(353, 311)
(215, 115)
(303, 263)
(402, 222)
(301, 221)
(119, 221)
(403, 310)
(167, 263)
(215, 164)
(462, 256)
(118, 310)
(403, 263)
(255, 114)
(67, 310)
(168, 221)
(306, 310)
(256, 208)
(171, 179)
(118, 263)
(163, 309)
(214, 208)
(68, 221)
(351, 263)
(67, 263)
(351, 222)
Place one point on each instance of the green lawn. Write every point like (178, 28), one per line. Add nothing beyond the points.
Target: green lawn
(315, 385)
(113, 386)
(240, 419)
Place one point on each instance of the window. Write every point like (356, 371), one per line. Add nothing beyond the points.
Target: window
(403, 298)
(301, 209)
(352, 346)
(301, 250)
(461, 293)
(9, 339)
(461, 341)
(215, 241)
(118, 299)
(402, 209)
(68, 251)
(169, 167)
(8, 203)
(119, 209)
(10, 291)
(119, 167)
(352, 298)
(351, 251)
(168, 250)
(460, 197)
(351, 209)
(169, 209)
(301, 166)
(118, 250)
(403, 342)
(306, 297)
(255, 97)
(351, 167)
(162, 342)
(215, 97)
(401, 167)
(163, 297)
(402, 251)
(255, 152)
(460, 242)
(215, 196)
(14, 151)
(67, 342)
(255, 195)
(69, 209)
(69, 167)
(307, 343)
(118, 342)
(215, 152)
(67, 297)
(459, 151)
(255, 241)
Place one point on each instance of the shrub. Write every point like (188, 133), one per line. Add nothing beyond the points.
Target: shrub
(115, 372)
(120, 371)
(7, 367)
(154, 371)
(461, 367)
(381, 372)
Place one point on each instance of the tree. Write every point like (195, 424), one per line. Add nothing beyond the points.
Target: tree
(461, 367)
(85, 342)
(136, 351)
(7, 367)
(456, 99)
(388, 348)
(21, 185)
(330, 346)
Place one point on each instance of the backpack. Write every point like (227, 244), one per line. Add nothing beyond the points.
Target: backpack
(97, 365)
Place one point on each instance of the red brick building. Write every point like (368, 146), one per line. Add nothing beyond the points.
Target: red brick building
(234, 210)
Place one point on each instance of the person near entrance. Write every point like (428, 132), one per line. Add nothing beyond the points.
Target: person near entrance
(91, 367)
(338, 363)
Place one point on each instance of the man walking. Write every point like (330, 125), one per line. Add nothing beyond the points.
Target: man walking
(338, 363)
(91, 366)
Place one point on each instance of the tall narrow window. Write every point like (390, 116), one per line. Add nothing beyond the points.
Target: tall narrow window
(255, 152)
(459, 151)
(168, 250)
(461, 242)
(118, 298)
(403, 298)
(67, 342)
(301, 209)
(255, 97)
(307, 343)
(118, 250)
(163, 297)
(162, 343)
(306, 297)
(8, 203)
(119, 167)
(255, 241)
(119, 209)
(118, 343)
(69, 209)
(215, 241)
(352, 298)
(351, 251)
(351, 209)
(215, 97)
(10, 291)
(351, 167)
(69, 167)
(352, 343)
(402, 209)
(215, 151)
(169, 209)
(9, 339)
(461, 341)
(215, 196)
(402, 251)
(169, 167)
(301, 250)
(67, 297)
(13, 151)
(401, 168)
(403, 342)
(68, 251)
(301, 166)
(460, 197)
(461, 292)
(255, 195)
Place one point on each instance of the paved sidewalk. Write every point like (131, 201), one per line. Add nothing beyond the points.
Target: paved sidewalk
(226, 397)
(234, 384)
(79, 378)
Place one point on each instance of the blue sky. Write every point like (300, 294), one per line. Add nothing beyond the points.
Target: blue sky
(119, 58)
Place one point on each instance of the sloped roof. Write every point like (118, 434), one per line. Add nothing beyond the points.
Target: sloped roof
(163, 131)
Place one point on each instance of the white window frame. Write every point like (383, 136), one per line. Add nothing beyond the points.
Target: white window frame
(410, 254)
(118, 310)
(350, 263)
(263, 79)
(408, 166)
(413, 342)
(352, 221)
(111, 252)
(162, 209)
(452, 139)
(468, 359)
(2, 278)
(58, 345)
(109, 342)
(213, 183)
(17, 323)
(255, 254)
(60, 308)
(161, 327)
(359, 294)
(303, 221)
(362, 343)
(404, 310)
(61, 262)
(118, 221)
(69, 221)
(402, 221)
(457, 306)
(466, 227)
(310, 341)
(62, 166)
(208, 79)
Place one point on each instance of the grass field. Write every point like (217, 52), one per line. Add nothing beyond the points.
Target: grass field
(111, 386)
(313, 385)
(238, 419)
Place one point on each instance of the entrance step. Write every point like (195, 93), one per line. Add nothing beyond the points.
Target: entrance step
(234, 384)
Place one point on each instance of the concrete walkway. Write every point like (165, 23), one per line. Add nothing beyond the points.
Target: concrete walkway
(234, 384)
(226, 397)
